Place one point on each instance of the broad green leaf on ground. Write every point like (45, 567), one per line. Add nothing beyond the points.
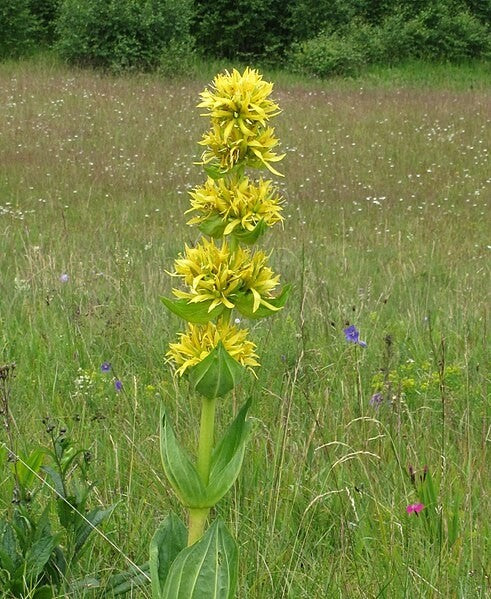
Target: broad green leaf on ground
(207, 569)
(168, 541)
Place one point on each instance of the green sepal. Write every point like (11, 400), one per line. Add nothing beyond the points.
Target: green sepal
(217, 374)
(199, 312)
(250, 237)
(214, 226)
(179, 470)
(228, 455)
(245, 304)
(169, 540)
(207, 569)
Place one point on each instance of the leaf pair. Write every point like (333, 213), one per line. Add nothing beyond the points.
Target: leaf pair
(206, 570)
(226, 461)
(199, 312)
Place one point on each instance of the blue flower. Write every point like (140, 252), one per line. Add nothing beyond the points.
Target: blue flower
(105, 366)
(64, 278)
(353, 336)
(118, 385)
(376, 399)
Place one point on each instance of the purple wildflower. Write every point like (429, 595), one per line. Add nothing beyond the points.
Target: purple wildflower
(376, 400)
(415, 508)
(105, 366)
(353, 336)
(64, 278)
(118, 385)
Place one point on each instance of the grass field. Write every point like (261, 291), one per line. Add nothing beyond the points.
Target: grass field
(386, 227)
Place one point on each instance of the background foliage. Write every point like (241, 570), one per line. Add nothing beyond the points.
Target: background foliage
(315, 37)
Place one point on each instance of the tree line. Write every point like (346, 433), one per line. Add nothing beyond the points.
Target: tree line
(316, 37)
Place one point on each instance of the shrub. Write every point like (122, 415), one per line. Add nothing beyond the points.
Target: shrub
(46, 14)
(436, 33)
(242, 29)
(326, 55)
(178, 58)
(18, 28)
(121, 34)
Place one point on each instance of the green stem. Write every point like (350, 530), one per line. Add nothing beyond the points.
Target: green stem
(198, 516)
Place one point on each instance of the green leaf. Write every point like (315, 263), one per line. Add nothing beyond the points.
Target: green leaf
(227, 457)
(213, 171)
(245, 303)
(196, 313)
(207, 569)
(94, 517)
(55, 480)
(123, 582)
(169, 540)
(44, 592)
(29, 467)
(179, 470)
(213, 226)
(38, 555)
(250, 237)
(217, 374)
(9, 556)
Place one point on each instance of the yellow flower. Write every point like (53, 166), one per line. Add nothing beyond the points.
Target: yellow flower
(199, 340)
(238, 101)
(239, 203)
(256, 151)
(221, 275)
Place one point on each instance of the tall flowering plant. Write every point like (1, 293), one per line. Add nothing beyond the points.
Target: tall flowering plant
(219, 278)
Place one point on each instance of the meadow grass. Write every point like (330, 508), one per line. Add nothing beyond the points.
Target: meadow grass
(386, 227)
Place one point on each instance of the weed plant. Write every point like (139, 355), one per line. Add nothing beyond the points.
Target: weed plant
(387, 210)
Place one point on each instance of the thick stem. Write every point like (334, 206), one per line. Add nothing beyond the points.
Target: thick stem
(206, 435)
(198, 516)
(197, 521)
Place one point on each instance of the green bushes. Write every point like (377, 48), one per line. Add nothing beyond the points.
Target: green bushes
(242, 29)
(314, 37)
(18, 28)
(121, 34)
(434, 33)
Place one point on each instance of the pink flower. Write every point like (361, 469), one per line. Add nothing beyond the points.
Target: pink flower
(415, 507)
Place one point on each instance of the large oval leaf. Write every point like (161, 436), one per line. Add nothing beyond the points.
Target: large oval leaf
(207, 569)
(227, 457)
(179, 470)
(169, 540)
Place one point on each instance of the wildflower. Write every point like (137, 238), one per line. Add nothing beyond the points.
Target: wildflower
(376, 400)
(105, 367)
(241, 205)
(195, 344)
(64, 278)
(353, 336)
(218, 275)
(118, 385)
(239, 101)
(415, 508)
(229, 151)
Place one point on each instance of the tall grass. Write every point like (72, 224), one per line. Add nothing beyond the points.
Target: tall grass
(387, 223)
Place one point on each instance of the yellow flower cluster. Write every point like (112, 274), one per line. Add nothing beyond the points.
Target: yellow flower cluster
(198, 341)
(239, 108)
(221, 275)
(226, 275)
(239, 203)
